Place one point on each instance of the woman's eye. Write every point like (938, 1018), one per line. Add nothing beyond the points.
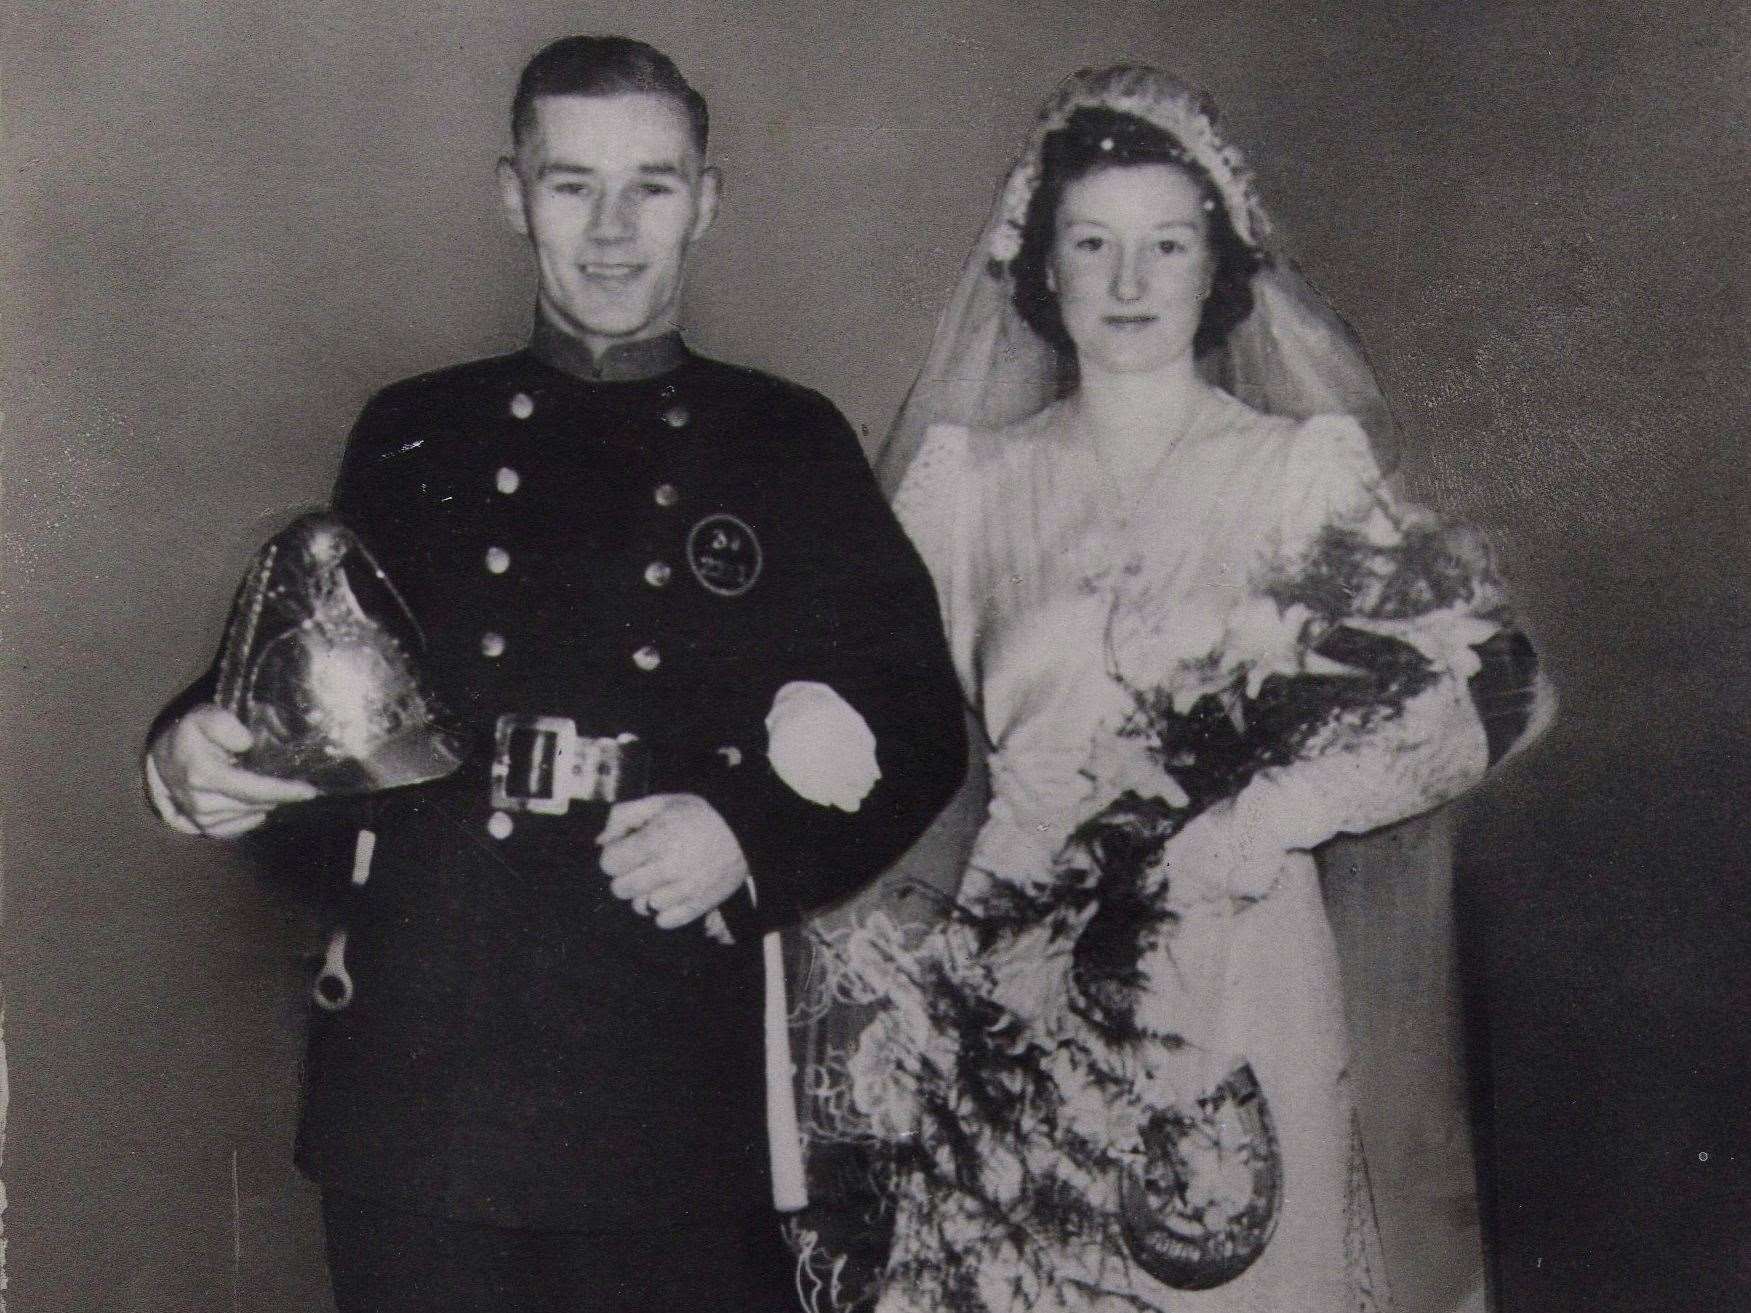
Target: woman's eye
(569, 188)
(1089, 243)
(1170, 246)
(655, 189)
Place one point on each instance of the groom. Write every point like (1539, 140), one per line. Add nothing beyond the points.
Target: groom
(546, 1089)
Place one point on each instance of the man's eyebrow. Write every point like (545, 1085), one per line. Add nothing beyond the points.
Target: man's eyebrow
(662, 169)
(552, 167)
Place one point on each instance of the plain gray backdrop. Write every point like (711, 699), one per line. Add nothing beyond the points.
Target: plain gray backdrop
(227, 223)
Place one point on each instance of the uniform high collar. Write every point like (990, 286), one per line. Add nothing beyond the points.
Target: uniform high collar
(624, 362)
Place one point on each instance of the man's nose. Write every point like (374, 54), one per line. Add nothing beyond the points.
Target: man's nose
(611, 217)
(1130, 281)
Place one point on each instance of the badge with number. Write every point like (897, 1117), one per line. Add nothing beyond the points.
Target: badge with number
(724, 555)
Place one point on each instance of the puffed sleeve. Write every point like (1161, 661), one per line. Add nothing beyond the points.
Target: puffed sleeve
(1485, 697)
(1330, 477)
(862, 714)
(934, 504)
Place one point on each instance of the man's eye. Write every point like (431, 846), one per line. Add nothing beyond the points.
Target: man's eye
(569, 188)
(1090, 243)
(656, 189)
(1171, 246)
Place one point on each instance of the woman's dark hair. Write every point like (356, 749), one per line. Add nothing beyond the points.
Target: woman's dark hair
(1096, 138)
(604, 66)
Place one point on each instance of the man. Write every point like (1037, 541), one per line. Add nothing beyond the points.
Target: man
(546, 1088)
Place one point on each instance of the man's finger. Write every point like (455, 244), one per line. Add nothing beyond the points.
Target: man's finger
(641, 881)
(687, 911)
(625, 817)
(232, 828)
(671, 894)
(220, 726)
(208, 807)
(249, 787)
(630, 852)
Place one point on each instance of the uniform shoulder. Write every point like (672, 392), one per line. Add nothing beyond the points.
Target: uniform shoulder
(430, 402)
(452, 380)
(770, 391)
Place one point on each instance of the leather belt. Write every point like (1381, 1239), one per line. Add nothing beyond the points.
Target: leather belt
(543, 764)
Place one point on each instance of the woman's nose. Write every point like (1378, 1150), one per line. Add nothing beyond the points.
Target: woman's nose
(1129, 280)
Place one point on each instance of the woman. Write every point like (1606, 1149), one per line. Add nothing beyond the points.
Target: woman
(1202, 637)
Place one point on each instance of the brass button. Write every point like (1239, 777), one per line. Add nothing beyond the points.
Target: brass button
(522, 405)
(491, 644)
(666, 494)
(507, 480)
(647, 658)
(731, 755)
(676, 417)
(498, 560)
(657, 573)
(500, 825)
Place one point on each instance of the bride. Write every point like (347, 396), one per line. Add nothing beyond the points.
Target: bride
(1107, 1071)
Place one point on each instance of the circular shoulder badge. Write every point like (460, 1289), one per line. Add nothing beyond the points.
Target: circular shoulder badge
(724, 555)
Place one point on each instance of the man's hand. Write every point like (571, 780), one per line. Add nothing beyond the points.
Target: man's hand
(672, 854)
(194, 778)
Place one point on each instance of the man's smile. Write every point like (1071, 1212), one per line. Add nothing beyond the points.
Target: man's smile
(610, 273)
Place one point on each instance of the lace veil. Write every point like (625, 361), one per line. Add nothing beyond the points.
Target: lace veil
(1293, 355)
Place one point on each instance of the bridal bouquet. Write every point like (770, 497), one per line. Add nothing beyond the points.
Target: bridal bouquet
(1035, 1089)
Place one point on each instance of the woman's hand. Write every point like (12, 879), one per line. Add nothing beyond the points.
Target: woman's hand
(1223, 852)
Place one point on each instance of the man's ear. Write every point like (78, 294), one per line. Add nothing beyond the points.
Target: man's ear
(710, 191)
(512, 197)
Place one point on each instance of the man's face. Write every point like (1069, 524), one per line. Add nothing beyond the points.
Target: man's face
(612, 193)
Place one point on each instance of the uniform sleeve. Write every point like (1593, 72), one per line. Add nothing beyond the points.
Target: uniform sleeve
(870, 650)
(370, 447)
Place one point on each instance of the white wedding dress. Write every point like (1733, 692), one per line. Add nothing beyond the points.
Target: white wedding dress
(1062, 594)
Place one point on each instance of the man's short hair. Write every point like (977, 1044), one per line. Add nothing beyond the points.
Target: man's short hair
(604, 66)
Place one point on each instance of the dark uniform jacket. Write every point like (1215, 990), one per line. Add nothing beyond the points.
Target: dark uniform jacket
(653, 545)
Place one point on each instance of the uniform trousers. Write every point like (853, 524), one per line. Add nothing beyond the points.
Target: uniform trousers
(386, 1260)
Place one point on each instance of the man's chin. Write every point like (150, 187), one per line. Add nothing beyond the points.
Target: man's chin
(609, 324)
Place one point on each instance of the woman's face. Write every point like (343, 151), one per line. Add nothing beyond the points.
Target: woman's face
(1131, 266)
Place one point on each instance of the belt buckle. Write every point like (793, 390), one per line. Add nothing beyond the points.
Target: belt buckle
(542, 764)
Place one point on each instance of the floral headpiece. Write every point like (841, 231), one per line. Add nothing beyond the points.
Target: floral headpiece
(1155, 97)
